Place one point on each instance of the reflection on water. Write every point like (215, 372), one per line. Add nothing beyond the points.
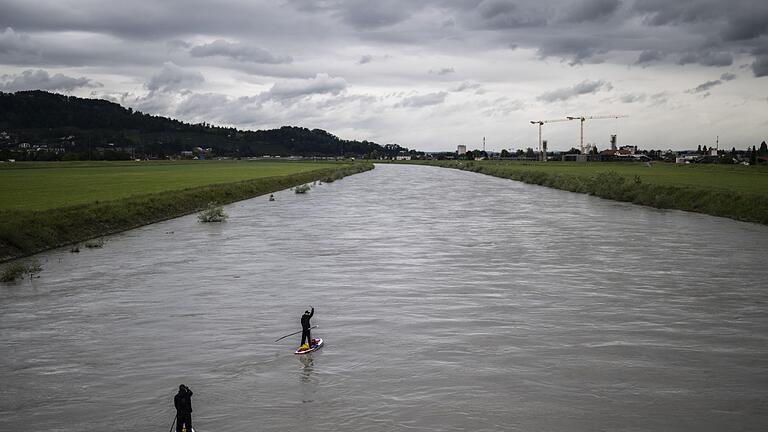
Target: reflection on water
(450, 301)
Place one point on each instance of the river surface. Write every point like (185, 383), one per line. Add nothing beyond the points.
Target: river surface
(449, 301)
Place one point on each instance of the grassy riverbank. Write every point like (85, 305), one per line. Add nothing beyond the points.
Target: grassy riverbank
(43, 206)
(732, 191)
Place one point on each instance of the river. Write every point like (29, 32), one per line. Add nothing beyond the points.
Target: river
(448, 300)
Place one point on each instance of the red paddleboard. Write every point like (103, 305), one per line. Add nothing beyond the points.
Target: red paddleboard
(314, 346)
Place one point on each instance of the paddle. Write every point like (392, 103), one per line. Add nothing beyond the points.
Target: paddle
(173, 424)
(278, 339)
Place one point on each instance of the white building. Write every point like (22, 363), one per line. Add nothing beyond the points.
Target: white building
(461, 149)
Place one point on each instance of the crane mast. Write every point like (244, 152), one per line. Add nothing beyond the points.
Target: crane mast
(582, 119)
(542, 155)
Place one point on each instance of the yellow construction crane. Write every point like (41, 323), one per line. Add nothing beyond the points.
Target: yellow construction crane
(542, 153)
(583, 118)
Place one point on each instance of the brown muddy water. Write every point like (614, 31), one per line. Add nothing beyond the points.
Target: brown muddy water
(448, 300)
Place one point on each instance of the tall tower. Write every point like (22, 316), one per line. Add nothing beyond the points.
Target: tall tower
(613, 142)
(483, 144)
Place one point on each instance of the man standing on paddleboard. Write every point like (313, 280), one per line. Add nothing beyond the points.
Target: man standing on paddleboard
(305, 327)
(183, 403)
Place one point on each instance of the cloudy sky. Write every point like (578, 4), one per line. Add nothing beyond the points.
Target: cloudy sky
(426, 74)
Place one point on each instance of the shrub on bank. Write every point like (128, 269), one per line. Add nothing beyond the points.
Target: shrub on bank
(212, 213)
(300, 189)
(16, 271)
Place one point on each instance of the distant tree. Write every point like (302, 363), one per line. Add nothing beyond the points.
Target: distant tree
(529, 152)
(733, 152)
(763, 148)
(753, 156)
(699, 150)
(504, 153)
(704, 150)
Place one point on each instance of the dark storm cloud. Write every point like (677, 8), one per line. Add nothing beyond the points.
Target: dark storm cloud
(505, 15)
(591, 10)
(586, 31)
(582, 88)
(760, 65)
(576, 49)
(749, 24)
(42, 80)
(238, 52)
(648, 56)
(707, 58)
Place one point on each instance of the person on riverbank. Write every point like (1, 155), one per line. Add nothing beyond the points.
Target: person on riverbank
(183, 403)
(306, 334)
(271, 197)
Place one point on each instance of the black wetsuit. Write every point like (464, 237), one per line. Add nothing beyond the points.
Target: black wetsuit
(183, 403)
(305, 332)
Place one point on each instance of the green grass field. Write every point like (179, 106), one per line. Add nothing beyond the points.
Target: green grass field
(47, 205)
(736, 178)
(42, 186)
(733, 191)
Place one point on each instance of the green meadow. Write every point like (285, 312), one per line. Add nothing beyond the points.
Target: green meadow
(47, 205)
(735, 178)
(733, 191)
(48, 185)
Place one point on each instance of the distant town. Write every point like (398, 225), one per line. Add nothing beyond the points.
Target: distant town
(70, 148)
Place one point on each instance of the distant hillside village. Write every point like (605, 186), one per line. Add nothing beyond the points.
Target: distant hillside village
(41, 126)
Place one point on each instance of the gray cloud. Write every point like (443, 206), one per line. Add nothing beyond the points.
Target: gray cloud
(174, 78)
(701, 88)
(591, 10)
(582, 88)
(42, 80)
(648, 56)
(728, 76)
(419, 101)
(366, 58)
(467, 85)
(238, 52)
(320, 84)
(443, 71)
(633, 97)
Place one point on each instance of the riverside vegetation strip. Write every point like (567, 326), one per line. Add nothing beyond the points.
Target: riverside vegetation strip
(43, 206)
(732, 191)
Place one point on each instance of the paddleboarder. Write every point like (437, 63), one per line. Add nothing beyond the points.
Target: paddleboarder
(305, 327)
(183, 403)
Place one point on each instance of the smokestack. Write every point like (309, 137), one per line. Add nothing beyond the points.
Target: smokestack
(613, 142)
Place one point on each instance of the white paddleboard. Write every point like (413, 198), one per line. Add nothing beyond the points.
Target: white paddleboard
(318, 344)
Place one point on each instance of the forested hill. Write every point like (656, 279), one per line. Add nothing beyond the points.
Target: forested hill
(74, 126)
